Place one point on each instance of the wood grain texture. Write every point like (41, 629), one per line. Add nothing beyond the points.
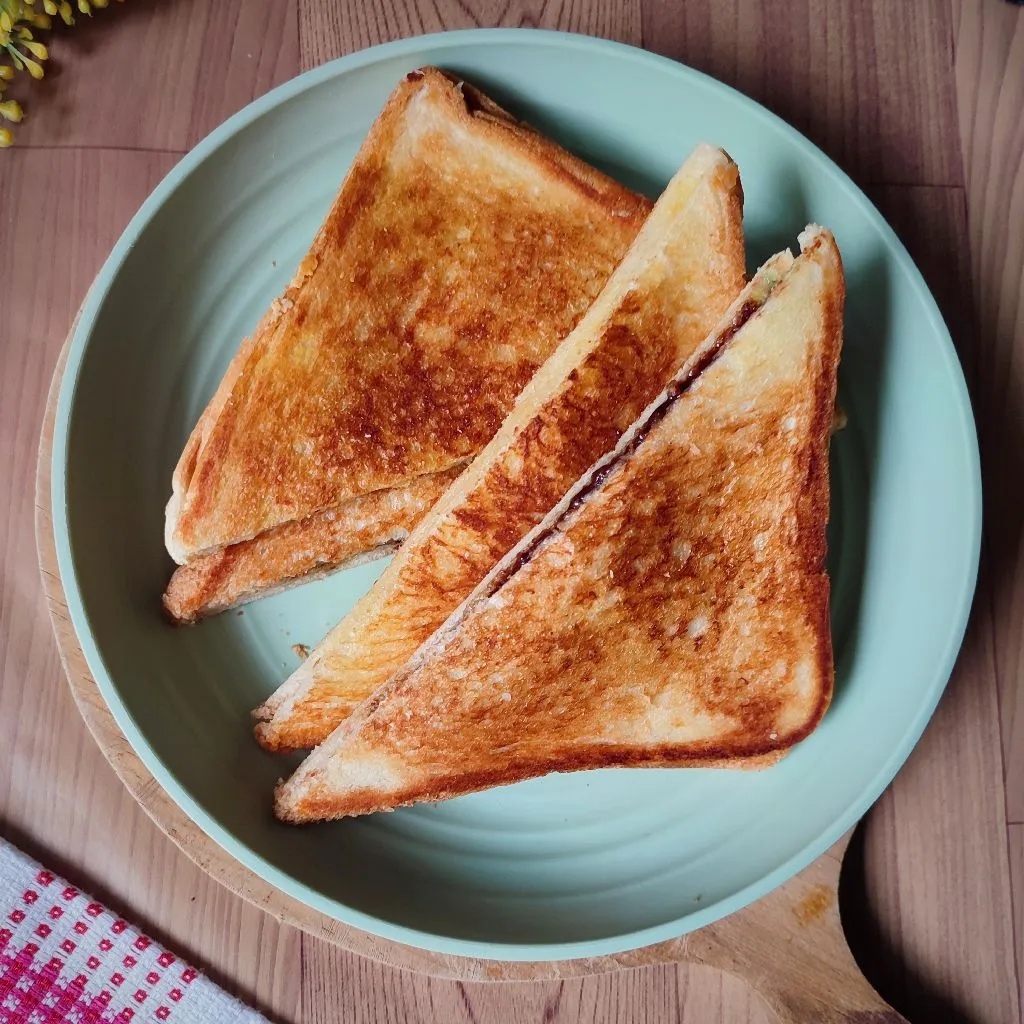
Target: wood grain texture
(961, 830)
(990, 97)
(652, 995)
(838, 71)
(59, 800)
(155, 74)
(990, 88)
(1016, 846)
(936, 846)
(332, 28)
(924, 893)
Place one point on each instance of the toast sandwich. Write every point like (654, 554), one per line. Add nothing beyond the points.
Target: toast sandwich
(671, 610)
(461, 248)
(681, 273)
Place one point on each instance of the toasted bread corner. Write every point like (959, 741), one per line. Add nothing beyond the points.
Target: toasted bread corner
(212, 505)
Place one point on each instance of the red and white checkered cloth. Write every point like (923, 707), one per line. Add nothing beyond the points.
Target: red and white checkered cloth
(66, 958)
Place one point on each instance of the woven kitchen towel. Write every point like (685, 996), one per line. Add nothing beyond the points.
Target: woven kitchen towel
(65, 957)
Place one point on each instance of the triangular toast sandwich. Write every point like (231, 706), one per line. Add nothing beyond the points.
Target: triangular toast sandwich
(461, 248)
(681, 273)
(672, 610)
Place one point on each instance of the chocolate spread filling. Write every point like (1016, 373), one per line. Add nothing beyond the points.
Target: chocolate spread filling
(597, 476)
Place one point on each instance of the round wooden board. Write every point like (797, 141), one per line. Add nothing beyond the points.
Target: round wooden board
(789, 945)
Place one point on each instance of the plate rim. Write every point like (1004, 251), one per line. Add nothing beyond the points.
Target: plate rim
(247, 856)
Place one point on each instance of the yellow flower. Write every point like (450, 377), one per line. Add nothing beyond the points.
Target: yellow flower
(11, 110)
(18, 19)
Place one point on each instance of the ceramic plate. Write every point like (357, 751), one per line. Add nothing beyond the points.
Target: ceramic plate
(565, 866)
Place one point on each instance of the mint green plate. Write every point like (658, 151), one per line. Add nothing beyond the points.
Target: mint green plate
(566, 866)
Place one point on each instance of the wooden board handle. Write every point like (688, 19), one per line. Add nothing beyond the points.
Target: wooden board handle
(850, 998)
(793, 953)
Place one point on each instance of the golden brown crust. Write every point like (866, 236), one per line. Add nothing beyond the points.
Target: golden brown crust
(814, 502)
(461, 248)
(682, 272)
(303, 734)
(676, 613)
(557, 162)
(323, 806)
(371, 525)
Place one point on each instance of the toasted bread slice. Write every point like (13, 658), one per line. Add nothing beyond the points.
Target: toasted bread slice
(367, 527)
(671, 610)
(461, 248)
(683, 270)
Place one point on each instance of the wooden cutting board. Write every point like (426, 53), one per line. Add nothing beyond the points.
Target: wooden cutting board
(789, 946)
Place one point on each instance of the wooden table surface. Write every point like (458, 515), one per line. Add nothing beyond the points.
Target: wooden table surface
(920, 102)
